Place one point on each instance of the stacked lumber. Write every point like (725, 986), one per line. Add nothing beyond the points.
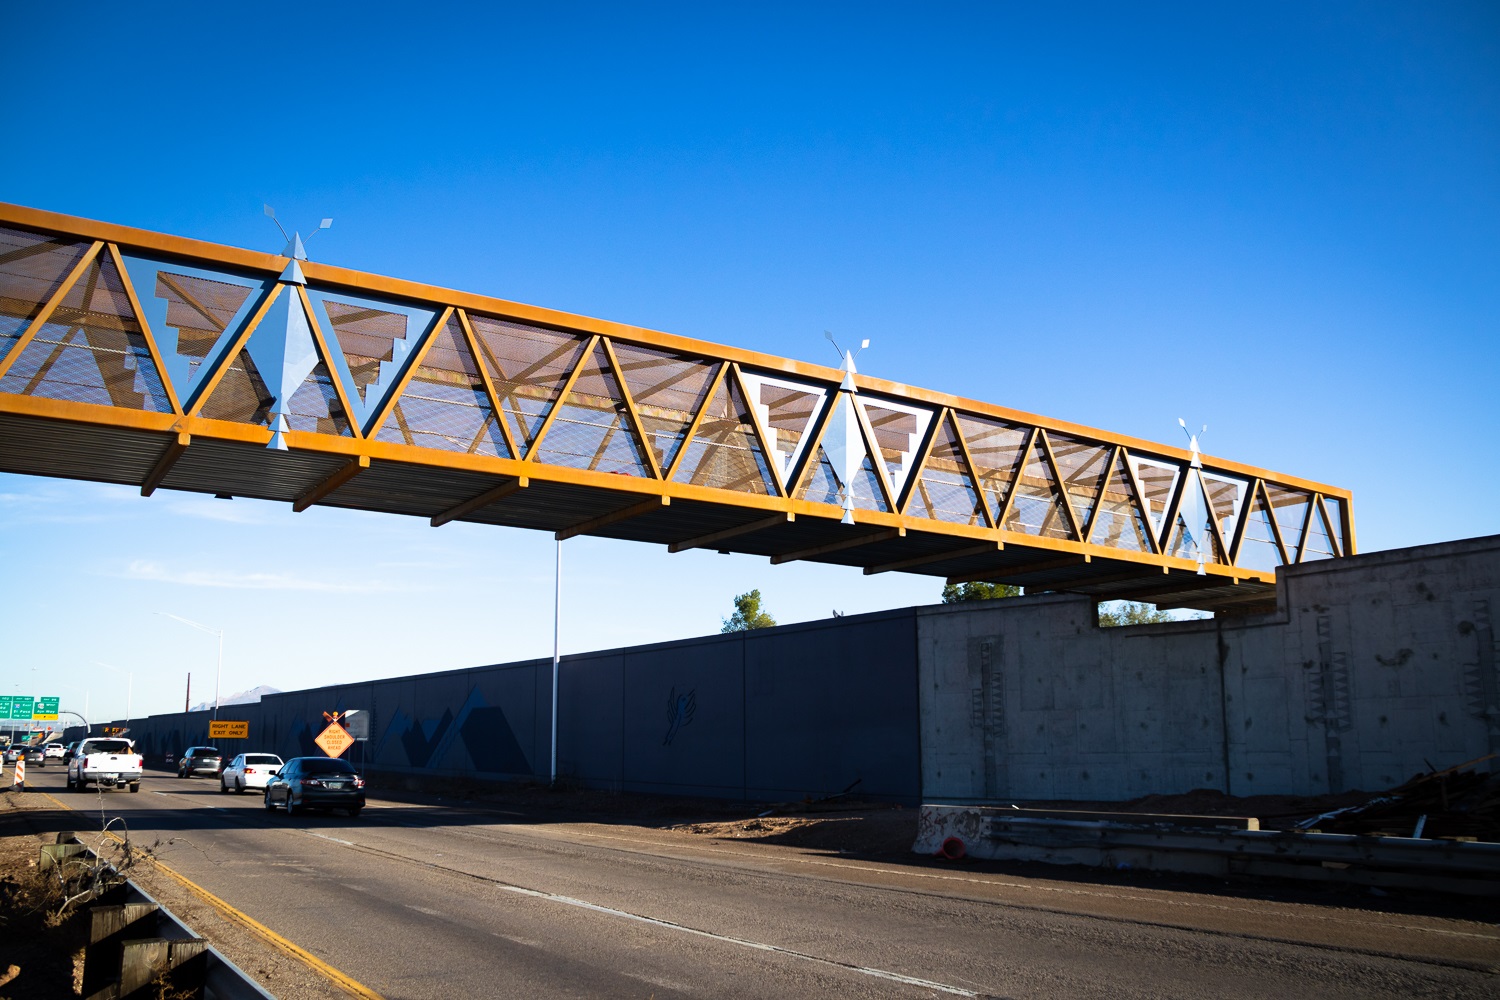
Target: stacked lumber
(1459, 803)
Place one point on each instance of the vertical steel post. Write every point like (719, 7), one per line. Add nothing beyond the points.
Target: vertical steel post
(556, 617)
(218, 670)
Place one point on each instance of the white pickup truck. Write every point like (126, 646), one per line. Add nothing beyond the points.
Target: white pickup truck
(107, 762)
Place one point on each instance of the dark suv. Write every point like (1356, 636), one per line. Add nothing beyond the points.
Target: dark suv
(200, 760)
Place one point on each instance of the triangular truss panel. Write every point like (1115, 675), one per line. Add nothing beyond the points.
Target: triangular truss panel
(32, 270)
(194, 315)
(1319, 544)
(1083, 466)
(529, 366)
(371, 340)
(787, 412)
(945, 489)
(1037, 508)
(1258, 548)
(1335, 509)
(866, 487)
(668, 390)
(92, 349)
(821, 484)
(1211, 546)
(996, 448)
(899, 431)
(1289, 507)
(592, 427)
(241, 395)
(1119, 520)
(315, 406)
(1226, 499)
(725, 451)
(1158, 481)
(445, 404)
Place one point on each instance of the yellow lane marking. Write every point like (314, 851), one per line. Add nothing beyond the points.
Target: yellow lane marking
(351, 986)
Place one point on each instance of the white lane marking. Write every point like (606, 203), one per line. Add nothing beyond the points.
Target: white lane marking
(423, 909)
(324, 836)
(742, 942)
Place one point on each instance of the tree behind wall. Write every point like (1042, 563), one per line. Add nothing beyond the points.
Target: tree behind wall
(978, 590)
(1117, 613)
(748, 614)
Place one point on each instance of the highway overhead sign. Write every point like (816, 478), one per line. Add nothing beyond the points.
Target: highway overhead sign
(46, 708)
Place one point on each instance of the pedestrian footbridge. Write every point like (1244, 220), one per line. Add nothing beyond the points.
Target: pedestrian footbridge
(133, 357)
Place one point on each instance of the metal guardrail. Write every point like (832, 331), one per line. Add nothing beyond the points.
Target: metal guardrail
(1209, 845)
(134, 941)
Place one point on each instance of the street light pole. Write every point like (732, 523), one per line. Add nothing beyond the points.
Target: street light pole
(556, 617)
(219, 669)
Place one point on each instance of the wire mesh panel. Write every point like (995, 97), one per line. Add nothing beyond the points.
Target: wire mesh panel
(1038, 506)
(726, 452)
(1119, 520)
(1083, 466)
(898, 432)
(821, 484)
(1335, 509)
(444, 404)
(996, 448)
(1258, 549)
(32, 269)
(241, 395)
(866, 487)
(199, 309)
(1318, 545)
(315, 406)
(367, 336)
(592, 427)
(667, 390)
(92, 350)
(529, 366)
(945, 489)
(1289, 507)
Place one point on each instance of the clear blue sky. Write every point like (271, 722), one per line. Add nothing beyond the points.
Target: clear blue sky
(1278, 221)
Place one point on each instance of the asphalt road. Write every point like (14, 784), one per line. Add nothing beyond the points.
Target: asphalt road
(430, 901)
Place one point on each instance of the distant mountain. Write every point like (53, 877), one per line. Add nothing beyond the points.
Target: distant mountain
(243, 698)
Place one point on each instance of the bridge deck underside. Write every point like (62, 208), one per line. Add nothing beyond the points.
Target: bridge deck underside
(95, 453)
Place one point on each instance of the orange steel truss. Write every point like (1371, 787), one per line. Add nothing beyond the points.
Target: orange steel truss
(133, 357)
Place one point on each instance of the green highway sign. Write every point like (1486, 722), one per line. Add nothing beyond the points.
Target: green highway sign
(21, 706)
(46, 708)
(4, 706)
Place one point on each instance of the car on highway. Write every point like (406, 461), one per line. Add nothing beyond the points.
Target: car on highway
(106, 762)
(55, 751)
(11, 753)
(316, 782)
(248, 770)
(36, 755)
(200, 760)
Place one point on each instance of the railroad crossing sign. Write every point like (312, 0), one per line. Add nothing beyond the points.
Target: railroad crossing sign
(334, 740)
(229, 730)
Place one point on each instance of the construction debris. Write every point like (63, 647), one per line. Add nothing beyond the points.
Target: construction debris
(1459, 803)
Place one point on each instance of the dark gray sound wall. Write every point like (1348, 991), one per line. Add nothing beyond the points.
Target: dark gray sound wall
(773, 714)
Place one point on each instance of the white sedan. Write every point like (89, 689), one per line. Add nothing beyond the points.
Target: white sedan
(249, 770)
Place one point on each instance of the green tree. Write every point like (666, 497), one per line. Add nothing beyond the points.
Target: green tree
(1130, 613)
(978, 590)
(748, 614)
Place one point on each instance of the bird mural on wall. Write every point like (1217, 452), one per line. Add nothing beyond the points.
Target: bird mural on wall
(680, 709)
